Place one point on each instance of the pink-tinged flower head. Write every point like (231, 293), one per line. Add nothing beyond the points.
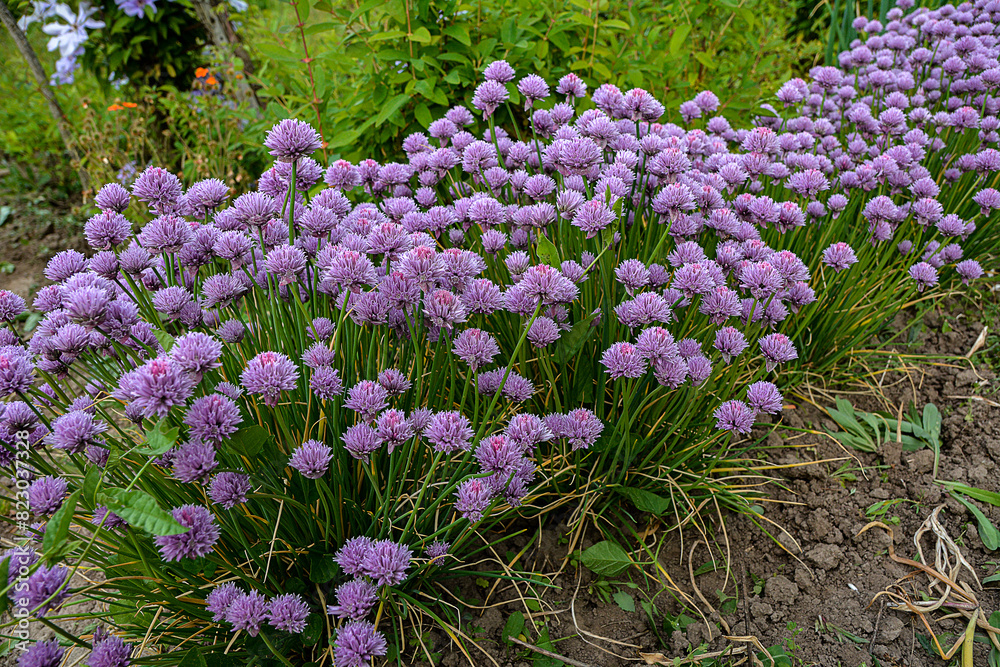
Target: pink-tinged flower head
(581, 427)
(734, 416)
(534, 88)
(449, 432)
(393, 429)
(777, 349)
(499, 71)
(367, 398)
(476, 348)
(16, 370)
(292, 139)
(572, 86)
(969, 270)
(730, 342)
(473, 498)
(199, 539)
(269, 374)
(156, 387)
(839, 256)
(444, 309)
(285, 263)
(623, 360)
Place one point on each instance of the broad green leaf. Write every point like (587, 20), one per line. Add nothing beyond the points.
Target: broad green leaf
(165, 339)
(193, 658)
(679, 37)
(616, 24)
(423, 114)
(422, 35)
(988, 533)
(513, 627)
(365, 7)
(141, 511)
(606, 558)
(90, 483)
(705, 59)
(624, 601)
(322, 568)
(979, 494)
(388, 34)
(276, 52)
(569, 344)
(313, 631)
(547, 251)
(645, 501)
(989, 580)
(391, 107)
(57, 529)
(932, 422)
(249, 440)
(459, 32)
(158, 439)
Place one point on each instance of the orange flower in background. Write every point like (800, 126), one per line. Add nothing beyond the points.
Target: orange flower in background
(201, 72)
(211, 81)
(129, 105)
(115, 107)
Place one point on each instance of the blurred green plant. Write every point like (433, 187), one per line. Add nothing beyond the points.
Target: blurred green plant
(334, 63)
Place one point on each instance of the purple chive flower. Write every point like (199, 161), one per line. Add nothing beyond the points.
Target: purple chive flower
(112, 197)
(764, 397)
(194, 461)
(212, 418)
(46, 494)
(318, 355)
(158, 188)
(196, 353)
(322, 329)
(444, 309)
(156, 387)
(361, 441)
(11, 305)
(357, 643)
(394, 382)
(229, 489)
(839, 256)
(285, 263)
(393, 429)
(269, 374)
(312, 459)
(534, 88)
(437, 552)
(247, 612)
(473, 498)
(777, 349)
(351, 555)
(43, 584)
(109, 651)
(623, 360)
(488, 96)
(355, 599)
(572, 86)
(16, 370)
(581, 427)
(449, 432)
(969, 270)
(386, 562)
(220, 599)
(292, 139)
(199, 539)
(924, 274)
(288, 612)
(326, 383)
(64, 265)
(42, 654)
(367, 398)
(734, 416)
(107, 229)
(544, 331)
(499, 71)
(633, 274)
(730, 342)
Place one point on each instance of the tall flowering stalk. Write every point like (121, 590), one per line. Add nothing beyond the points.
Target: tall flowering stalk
(285, 418)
